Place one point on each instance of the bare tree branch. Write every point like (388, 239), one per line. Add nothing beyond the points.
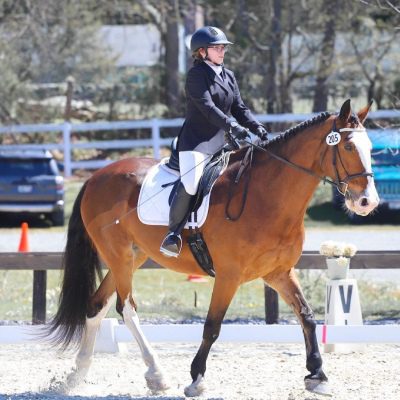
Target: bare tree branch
(389, 3)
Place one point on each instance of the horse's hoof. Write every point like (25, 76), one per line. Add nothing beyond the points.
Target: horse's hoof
(318, 387)
(76, 378)
(155, 381)
(57, 387)
(197, 388)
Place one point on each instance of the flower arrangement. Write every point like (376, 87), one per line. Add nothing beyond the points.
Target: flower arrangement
(333, 249)
(338, 256)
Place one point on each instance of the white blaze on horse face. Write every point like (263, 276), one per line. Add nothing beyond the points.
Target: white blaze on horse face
(369, 198)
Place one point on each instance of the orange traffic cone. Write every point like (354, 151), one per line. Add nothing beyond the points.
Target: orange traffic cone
(196, 278)
(24, 243)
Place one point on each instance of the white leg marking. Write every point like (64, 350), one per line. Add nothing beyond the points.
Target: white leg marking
(154, 375)
(84, 357)
(196, 388)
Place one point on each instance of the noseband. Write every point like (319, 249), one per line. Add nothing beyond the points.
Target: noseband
(340, 184)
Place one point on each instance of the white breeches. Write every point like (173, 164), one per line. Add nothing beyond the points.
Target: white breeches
(191, 165)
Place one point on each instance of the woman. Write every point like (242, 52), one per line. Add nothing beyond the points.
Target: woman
(212, 99)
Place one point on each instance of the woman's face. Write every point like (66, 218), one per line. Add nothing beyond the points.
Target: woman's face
(216, 53)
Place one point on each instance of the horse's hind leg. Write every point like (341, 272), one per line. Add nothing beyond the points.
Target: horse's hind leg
(100, 304)
(288, 287)
(123, 269)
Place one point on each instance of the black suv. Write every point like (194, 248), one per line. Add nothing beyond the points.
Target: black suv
(30, 182)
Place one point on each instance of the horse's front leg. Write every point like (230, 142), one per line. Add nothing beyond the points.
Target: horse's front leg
(223, 292)
(287, 285)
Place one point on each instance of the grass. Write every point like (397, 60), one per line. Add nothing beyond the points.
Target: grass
(72, 188)
(163, 294)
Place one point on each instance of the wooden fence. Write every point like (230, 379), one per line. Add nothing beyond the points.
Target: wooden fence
(40, 263)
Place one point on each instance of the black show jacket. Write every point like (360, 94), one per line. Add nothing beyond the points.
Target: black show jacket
(210, 105)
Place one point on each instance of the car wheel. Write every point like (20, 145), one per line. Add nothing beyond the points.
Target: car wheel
(57, 217)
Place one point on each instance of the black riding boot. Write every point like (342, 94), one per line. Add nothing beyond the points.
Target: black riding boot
(178, 215)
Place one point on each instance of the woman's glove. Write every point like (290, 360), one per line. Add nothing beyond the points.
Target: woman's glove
(262, 133)
(238, 131)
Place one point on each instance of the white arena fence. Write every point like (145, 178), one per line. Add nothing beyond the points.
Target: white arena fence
(111, 334)
(155, 141)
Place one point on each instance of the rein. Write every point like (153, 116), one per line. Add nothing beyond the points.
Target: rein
(340, 184)
(244, 165)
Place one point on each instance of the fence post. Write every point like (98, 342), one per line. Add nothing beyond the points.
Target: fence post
(155, 135)
(66, 128)
(39, 297)
(271, 305)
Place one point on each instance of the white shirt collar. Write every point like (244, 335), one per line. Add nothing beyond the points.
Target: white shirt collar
(216, 68)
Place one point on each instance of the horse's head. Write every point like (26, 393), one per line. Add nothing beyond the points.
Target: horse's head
(350, 165)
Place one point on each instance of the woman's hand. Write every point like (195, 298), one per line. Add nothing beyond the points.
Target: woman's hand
(262, 133)
(239, 131)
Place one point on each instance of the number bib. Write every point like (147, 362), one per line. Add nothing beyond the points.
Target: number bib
(333, 138)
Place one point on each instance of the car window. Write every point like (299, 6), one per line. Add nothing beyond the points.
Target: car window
(386, 156)
(19, 167)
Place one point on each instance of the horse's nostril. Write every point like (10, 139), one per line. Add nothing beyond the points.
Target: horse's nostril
(364, 202)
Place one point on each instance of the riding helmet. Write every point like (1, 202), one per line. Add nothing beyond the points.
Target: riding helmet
(206, 36)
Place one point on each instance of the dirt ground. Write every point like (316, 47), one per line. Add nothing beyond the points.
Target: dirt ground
(235, 371)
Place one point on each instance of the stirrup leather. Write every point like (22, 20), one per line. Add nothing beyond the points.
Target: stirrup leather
(171, 245)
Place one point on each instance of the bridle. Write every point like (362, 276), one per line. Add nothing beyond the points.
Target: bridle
(341, 184)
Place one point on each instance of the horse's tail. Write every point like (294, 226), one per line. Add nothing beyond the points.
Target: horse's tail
(80, 264)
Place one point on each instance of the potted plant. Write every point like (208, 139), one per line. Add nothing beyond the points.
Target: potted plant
(338, 255)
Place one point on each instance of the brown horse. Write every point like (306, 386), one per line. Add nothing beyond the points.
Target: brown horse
(266, 242)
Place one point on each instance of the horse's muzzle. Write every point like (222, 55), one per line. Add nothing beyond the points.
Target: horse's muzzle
(362, 204)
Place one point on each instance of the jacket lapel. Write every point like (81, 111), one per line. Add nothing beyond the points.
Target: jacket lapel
(214, 78)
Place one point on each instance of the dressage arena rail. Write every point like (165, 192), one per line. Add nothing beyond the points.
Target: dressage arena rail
(155, 141)
(40, 262)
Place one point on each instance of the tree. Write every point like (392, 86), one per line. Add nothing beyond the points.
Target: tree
(165, 14)
(375, 51)
(172, 59)
(193, 19)
(327, 50)
(45, 42)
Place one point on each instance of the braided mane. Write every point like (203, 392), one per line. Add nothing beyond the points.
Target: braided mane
(300, 127)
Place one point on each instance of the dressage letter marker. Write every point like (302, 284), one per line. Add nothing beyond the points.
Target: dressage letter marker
(342, 307)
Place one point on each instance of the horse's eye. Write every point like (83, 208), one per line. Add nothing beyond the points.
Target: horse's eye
(348, 146)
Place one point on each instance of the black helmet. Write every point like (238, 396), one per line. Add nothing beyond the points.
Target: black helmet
(208, 35)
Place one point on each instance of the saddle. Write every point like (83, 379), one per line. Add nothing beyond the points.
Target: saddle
(211, 172)
(160, 184)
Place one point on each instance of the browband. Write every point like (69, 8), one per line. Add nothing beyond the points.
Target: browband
(352, 130)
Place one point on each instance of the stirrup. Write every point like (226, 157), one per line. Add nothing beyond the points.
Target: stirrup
(171, 245)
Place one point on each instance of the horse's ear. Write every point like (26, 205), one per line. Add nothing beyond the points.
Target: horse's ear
(345, 111)
(362, 114)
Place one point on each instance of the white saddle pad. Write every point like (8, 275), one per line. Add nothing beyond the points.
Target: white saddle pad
(153, 207)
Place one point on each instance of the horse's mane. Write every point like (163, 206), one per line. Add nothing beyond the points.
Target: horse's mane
(293, 131)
